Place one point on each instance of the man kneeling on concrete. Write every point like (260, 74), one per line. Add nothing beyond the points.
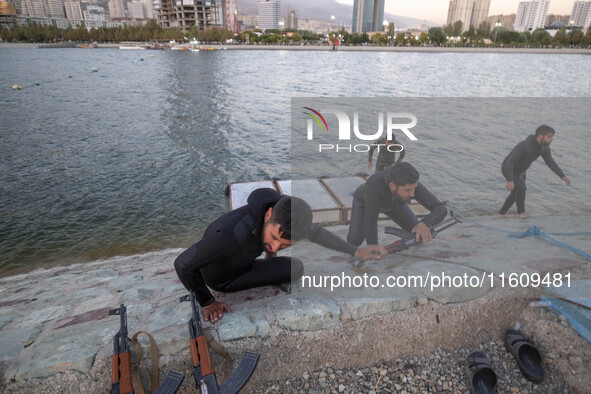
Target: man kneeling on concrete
(389, 192)
(226, 258)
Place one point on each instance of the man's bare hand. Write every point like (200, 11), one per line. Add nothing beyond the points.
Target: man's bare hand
(371, 252)
(214, 311)
(566, 180)
(422, 232)
(510, 185)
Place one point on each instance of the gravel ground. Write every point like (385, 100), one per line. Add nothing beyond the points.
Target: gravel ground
(334, 361)
(441, 371)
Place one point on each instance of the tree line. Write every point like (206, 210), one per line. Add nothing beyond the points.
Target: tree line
(451, 34)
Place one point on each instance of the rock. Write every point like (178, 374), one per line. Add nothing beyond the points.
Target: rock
(312, 313)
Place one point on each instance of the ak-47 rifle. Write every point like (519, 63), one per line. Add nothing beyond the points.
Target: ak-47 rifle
(408, 240)
(203, 371)
(121, 380)
(121, 375)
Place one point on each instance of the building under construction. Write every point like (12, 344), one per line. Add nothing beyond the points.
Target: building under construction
(188, 13)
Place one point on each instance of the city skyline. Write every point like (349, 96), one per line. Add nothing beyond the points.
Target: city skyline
(436, 10)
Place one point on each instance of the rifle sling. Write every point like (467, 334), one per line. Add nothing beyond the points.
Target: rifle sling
(218, 349)
(154, 369)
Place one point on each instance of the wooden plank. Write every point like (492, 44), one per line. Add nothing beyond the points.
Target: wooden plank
(239, 192)
(342, 189)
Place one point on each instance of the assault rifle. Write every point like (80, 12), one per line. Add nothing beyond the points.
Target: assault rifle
(408, 240)
(121, 376)
(203, 372)
(121, 380)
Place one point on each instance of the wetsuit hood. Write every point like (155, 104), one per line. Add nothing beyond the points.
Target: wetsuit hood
(259, 202)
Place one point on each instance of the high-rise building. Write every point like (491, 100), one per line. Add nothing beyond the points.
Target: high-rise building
(470, 12)
(8, 15)
(148, 9)
(580, 15)
(368, 15)
(291, 19)
(269, 15)
(531, 15)
(34, 9)
(55, 9)
(229, 15)
(116, 9)
(135, 9)
(187, 13)
(73, 10)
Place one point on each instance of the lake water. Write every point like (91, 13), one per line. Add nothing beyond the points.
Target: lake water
(135, 156)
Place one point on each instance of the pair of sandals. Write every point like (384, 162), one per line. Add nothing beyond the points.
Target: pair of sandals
(482, 379)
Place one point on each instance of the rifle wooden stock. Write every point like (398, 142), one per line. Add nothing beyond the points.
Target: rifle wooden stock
(121, 372)
(200, 355)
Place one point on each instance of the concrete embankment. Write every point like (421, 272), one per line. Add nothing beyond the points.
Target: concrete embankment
(55, 330)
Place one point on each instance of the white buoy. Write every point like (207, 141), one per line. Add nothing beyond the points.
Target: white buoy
(94, 70)
(16, 87)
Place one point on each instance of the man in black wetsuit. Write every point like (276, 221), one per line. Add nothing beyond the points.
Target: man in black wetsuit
(519, 160)
(389, 192)
(386, 153)
(226, 258)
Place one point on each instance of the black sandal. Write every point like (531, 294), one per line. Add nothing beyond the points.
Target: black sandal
(526, 354)
(481, 377)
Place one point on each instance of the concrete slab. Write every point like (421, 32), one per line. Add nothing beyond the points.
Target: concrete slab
(324, 208)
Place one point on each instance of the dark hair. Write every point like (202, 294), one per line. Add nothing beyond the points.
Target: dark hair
(403, 173)
(294, 217)
(544, 130)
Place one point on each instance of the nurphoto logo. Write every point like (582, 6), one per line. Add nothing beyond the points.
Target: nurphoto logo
(394, 121)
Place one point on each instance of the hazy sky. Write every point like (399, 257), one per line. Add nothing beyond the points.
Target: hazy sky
(436, 10)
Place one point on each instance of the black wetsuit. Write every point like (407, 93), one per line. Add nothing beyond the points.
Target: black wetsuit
(226, 257)
(374, 197)
(516, 164)
(385, 157)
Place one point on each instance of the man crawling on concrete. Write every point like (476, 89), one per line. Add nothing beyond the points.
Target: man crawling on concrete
(389, 192)
(227, 257)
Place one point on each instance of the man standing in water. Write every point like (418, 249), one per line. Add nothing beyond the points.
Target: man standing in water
(226, 259)
(386, 153)
(519, 160)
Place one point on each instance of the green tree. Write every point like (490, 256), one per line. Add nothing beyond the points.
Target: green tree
(483, 30)
(560, 37)
(458, 27)
(296, 37)
(575, 36)
(391, 30)
(587, 38)
(437, 35)
(423, 38)
(538, 35)
(471, 33)
(379, 39)
(448, 30)
(401, 39)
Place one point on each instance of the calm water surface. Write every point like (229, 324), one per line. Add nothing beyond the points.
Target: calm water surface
(135, 156)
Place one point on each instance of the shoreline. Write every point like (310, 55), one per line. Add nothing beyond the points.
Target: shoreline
(548, 51)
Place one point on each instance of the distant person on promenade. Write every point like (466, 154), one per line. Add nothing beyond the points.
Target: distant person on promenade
(386, 153)
(389, 192)
(519, 160)
(226, 258)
